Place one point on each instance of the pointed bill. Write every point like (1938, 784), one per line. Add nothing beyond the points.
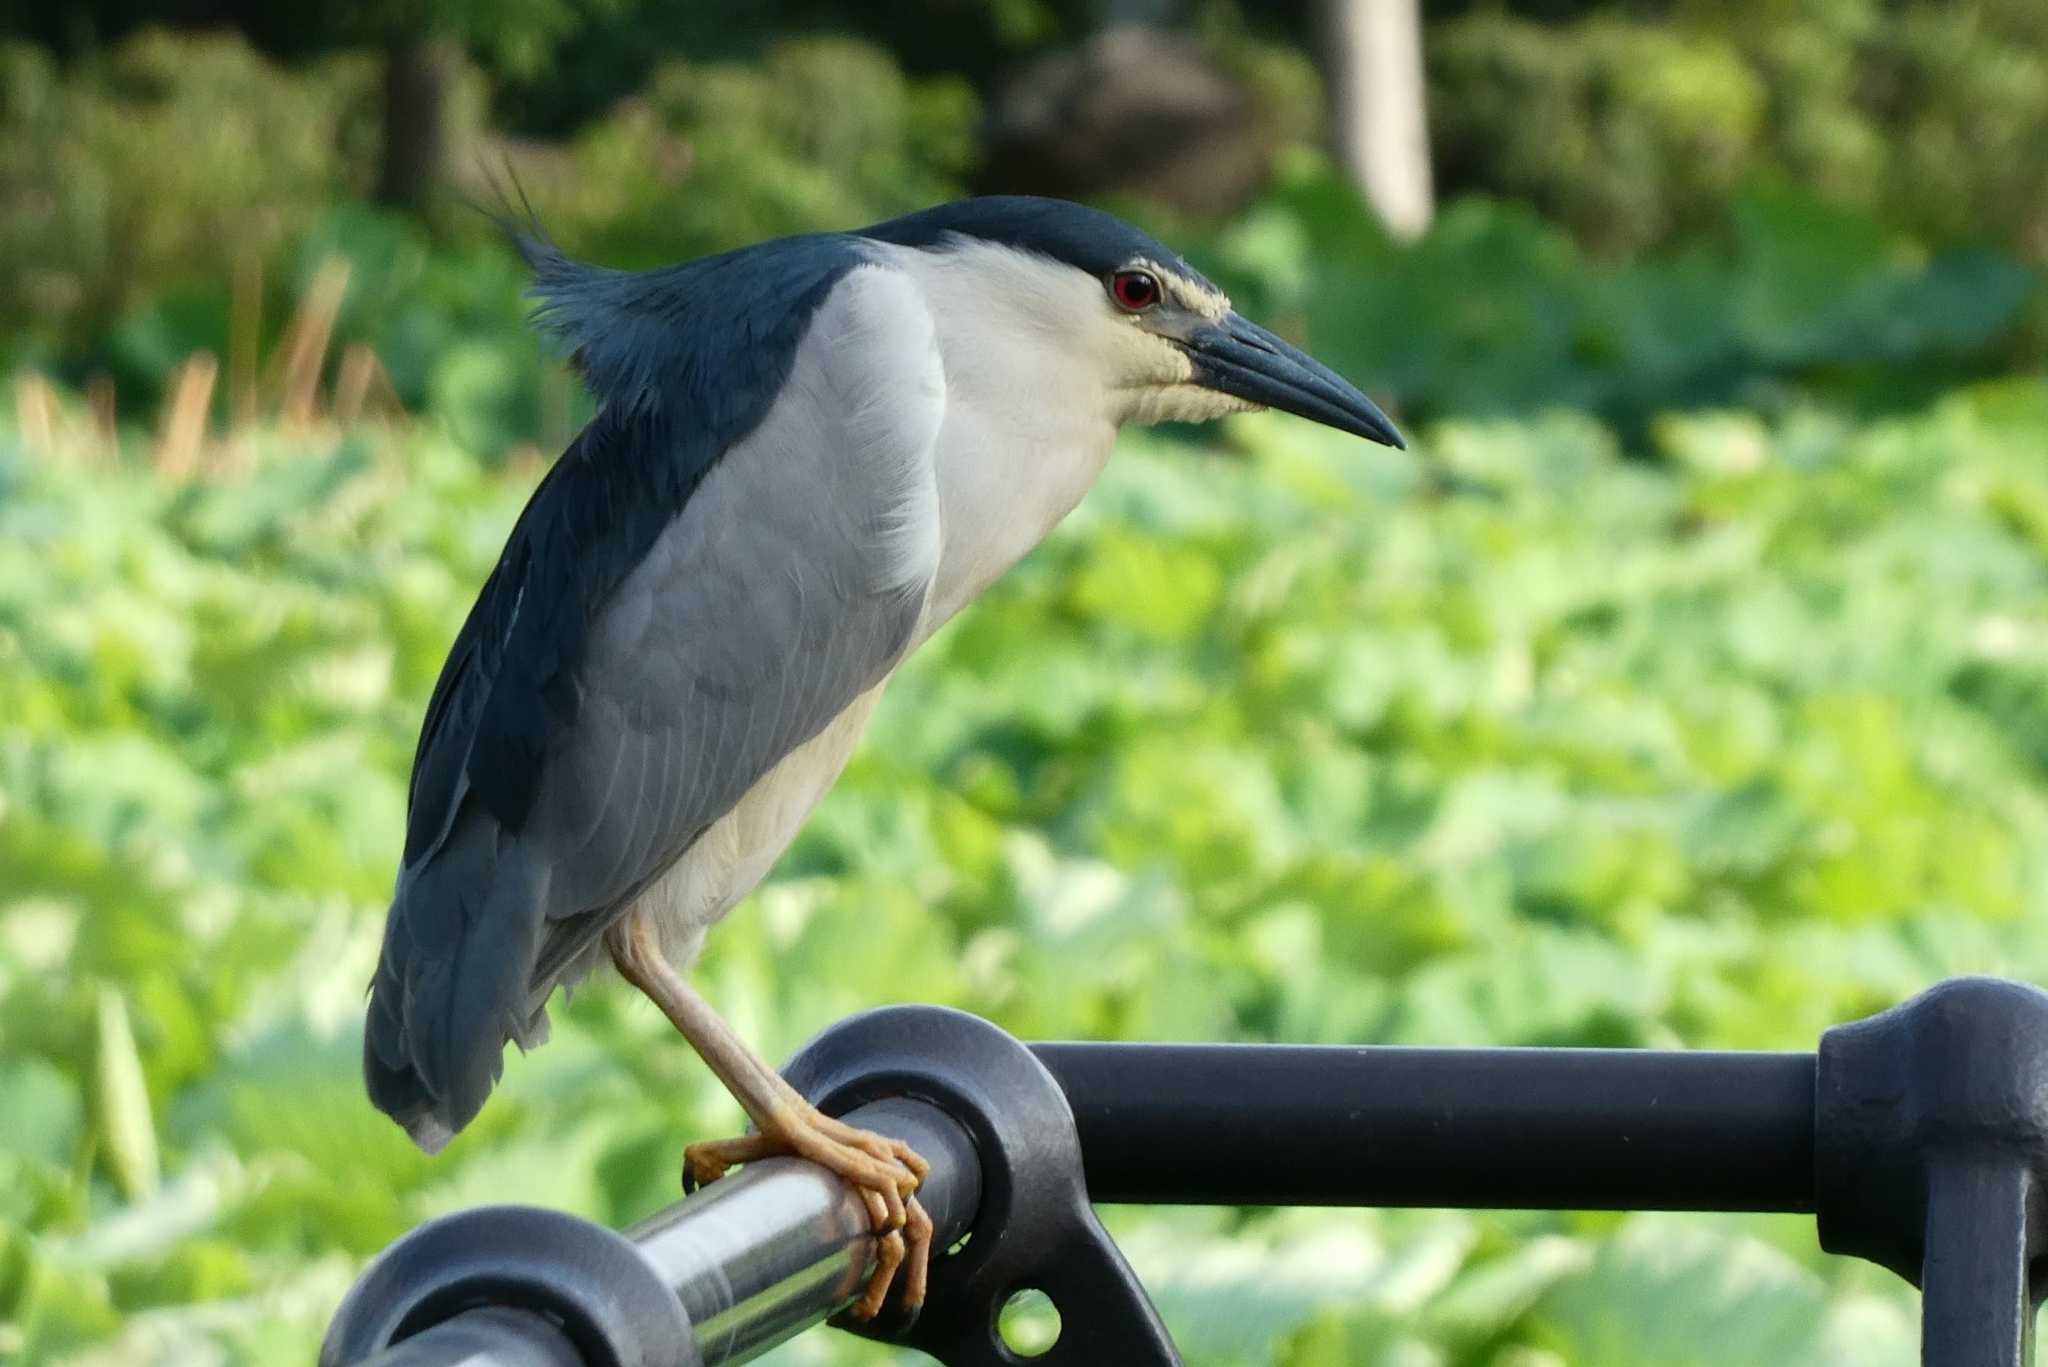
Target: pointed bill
(1240, 358)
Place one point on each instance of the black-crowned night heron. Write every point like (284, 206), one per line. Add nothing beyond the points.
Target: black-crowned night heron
(810, 454)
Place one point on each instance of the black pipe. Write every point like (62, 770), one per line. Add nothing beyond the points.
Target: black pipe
(1568, 1129)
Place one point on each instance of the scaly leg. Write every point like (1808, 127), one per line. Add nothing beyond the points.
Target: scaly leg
(884, 1170)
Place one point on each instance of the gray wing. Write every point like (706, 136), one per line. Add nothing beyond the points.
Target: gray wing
(790, 583)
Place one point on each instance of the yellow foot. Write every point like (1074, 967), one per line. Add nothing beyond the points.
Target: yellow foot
(884, 1170)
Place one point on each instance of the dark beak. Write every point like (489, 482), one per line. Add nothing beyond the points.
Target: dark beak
(1239, 357)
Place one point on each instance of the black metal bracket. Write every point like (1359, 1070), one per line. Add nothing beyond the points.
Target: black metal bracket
(1035, 1228)
(1932, 1129)
(584, 1281)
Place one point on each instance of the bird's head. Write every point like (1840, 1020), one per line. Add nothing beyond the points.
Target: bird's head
(1163, 342)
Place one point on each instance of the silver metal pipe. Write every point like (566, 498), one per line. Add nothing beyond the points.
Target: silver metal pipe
(780, 1245)
(490, 1336)
(720, 1277)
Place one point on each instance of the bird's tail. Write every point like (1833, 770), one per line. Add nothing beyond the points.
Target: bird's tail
(451, 987)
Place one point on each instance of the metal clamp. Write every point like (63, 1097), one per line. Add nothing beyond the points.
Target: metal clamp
(716, 1278)
(1035, 1228)
(723, 1275)
(608, 1304)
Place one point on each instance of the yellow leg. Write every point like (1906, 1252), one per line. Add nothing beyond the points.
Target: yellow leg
(884, 1170)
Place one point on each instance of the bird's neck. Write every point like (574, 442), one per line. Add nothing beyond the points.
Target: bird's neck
(1005, 480)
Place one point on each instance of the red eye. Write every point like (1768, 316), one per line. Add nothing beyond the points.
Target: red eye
(1134, 291)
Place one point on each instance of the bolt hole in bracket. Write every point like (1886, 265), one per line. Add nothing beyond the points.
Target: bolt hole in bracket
(1035, 1228)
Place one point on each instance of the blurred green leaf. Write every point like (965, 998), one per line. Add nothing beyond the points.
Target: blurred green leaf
(1684, 1296)
(126, 1127)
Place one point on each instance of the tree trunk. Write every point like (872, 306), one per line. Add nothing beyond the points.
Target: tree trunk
(1372, 62)
(416, 74)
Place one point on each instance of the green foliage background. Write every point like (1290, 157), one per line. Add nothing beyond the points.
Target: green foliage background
(1513, 740)
(1686, 685)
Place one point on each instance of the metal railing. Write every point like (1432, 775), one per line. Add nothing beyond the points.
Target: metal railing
(1918, 1138)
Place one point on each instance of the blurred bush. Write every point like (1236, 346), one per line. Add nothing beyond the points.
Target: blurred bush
(1629, 131)
(1766, 257)
(1188, 123)
(133, 191)
(166, 163)
(820, 133)
(1497, 311)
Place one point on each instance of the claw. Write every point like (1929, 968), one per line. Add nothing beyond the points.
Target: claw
(706, 1162)
(886, 1172)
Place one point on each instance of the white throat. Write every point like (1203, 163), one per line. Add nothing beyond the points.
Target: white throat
(1029, 421)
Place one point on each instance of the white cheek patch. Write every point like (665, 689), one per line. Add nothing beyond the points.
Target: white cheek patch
(1186, 403)
(1145, 360)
